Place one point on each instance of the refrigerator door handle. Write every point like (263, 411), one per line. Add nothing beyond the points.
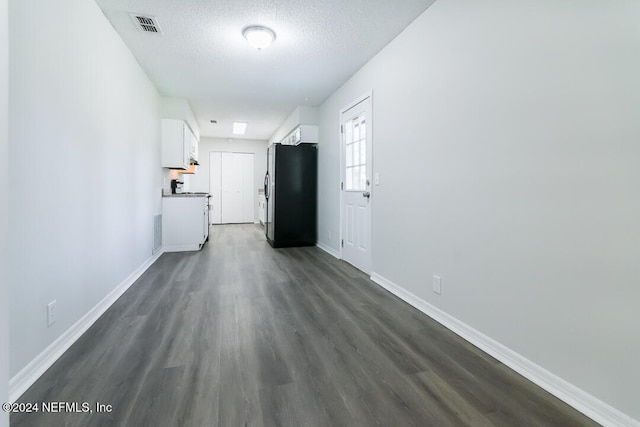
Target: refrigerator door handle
(267, 185)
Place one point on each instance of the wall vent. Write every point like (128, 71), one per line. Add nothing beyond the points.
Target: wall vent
(147, 24)
(157, 233)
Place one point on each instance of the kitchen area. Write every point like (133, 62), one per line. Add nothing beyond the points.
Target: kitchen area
(185, 214)
(210, 181)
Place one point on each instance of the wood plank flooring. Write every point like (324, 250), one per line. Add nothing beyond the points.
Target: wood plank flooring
(240, 334)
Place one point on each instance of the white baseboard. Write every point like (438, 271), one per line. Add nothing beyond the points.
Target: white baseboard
(182, 248)
(592, 407)
(328, 250)
(30, 373)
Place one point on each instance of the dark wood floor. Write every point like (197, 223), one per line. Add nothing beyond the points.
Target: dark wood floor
(240, 334)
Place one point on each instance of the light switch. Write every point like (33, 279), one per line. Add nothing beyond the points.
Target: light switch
(376, 178)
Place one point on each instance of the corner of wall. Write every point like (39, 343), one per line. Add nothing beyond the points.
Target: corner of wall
(4, 167)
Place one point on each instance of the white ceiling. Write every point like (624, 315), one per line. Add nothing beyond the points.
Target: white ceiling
(203, 57)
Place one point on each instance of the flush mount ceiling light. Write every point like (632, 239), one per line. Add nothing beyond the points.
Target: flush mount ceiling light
(259, 37)
(239, 128)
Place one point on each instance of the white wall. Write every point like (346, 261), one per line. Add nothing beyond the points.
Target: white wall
(506, 137)
(4, 199)
(180, 109)
(301, 115)
(84, 164)
(200, 181)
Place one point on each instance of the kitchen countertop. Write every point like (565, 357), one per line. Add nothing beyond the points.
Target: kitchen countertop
(187, 195)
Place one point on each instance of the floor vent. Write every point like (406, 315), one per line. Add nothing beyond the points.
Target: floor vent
(147, 24)
(157, 232)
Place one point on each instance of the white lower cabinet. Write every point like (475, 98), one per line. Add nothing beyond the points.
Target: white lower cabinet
(185, 223)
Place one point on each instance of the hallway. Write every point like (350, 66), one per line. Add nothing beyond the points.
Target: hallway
(242, 334)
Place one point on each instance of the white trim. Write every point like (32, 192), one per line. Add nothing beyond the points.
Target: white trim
(328, 250)
(592, 407)
(182, 248)
(341, 179)
(358, 100)
(30, 373)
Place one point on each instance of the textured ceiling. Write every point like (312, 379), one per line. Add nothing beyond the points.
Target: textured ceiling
(202, 56)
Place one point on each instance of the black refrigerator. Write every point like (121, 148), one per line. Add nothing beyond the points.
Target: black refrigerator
(290, 188)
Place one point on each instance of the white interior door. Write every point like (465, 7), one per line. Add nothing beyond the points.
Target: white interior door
(215, 187)
(356, 185)
(231, 186)
(230, 175)
(249, 194)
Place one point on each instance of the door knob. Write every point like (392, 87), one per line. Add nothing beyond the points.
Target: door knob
(366, 194)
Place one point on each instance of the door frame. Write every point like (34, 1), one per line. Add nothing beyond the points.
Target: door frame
(370, 138)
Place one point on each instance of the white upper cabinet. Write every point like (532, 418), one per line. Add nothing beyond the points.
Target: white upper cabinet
(194, 148)
(302, 134)
(179, 145)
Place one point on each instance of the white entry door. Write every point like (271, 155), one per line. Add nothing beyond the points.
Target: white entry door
(356, 185)
(231, 187)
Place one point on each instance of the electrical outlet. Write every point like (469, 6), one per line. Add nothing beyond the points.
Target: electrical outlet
(51, 313)
(437, 288)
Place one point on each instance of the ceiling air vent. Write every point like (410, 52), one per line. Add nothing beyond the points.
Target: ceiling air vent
(148, 24)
